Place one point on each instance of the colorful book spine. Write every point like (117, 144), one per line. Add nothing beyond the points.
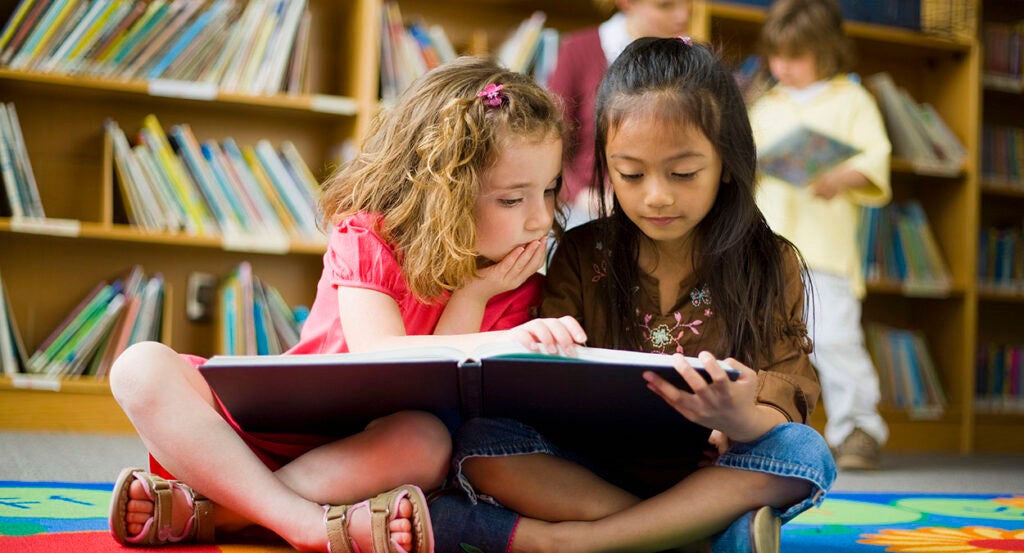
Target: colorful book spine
(186, 38)
(24, 29)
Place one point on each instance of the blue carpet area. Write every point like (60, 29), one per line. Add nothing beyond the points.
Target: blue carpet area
(911, 523)
(845, 522)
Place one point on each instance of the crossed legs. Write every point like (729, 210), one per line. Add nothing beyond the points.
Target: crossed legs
(566, 508)
(175, 414)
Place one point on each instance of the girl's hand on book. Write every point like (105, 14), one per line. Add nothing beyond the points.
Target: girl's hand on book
(551, 336)
(727, 406)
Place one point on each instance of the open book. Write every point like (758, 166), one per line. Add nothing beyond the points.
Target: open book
(802, 154)
(315, 394)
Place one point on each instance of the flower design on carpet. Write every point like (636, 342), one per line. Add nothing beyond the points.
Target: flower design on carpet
(1015, 501)
(971, 539)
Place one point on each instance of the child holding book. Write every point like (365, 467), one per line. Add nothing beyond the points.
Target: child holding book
(808, 54)
(684, 264)
(583, 57)
(437, 230)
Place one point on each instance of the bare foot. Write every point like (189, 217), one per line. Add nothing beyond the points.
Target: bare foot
(140, 509)
(360, 529)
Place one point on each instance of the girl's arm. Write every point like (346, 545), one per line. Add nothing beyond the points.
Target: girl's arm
(371, 321)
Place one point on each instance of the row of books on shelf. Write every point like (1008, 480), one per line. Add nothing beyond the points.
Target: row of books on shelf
(252, 47)
(531, 49)
(1001, 258)
(411, 48)
(917, 131)
(908, 379)
(1002, 46)
(113, 315)
(254, 319)
(897, 245)
(999, 386)
(408, 50)
(258, 195)
(1002, 155)
(21, 195)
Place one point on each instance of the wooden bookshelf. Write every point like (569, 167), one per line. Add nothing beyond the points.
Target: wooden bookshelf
(48, 266)
(62, 120)
(1000, 203)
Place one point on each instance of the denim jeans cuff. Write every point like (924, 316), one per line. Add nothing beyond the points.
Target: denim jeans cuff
(791, 450)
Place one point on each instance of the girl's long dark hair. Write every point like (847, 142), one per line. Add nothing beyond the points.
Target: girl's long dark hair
(736, 254)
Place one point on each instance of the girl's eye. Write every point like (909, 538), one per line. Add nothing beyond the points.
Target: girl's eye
(510, 202)
(630, 176)
(685, 176)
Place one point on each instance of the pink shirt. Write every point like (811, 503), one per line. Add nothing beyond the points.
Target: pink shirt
(358, 257)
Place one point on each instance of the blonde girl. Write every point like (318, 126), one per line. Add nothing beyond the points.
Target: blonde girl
(436, 232)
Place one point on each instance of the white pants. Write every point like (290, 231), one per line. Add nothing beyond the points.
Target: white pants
(849, 382)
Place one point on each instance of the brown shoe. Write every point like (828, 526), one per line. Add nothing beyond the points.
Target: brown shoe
(859, 451)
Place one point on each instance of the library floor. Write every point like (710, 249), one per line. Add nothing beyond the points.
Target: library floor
(33, 456)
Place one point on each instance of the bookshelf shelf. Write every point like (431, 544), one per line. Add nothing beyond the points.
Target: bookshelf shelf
(78, 406)
(877, 287)
(129, 233)
(997, 190)
(903, 169)
(1003, 83)
(311, 105)
(995, 294)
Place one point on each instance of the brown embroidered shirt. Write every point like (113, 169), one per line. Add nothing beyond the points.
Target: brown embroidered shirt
(574, 287)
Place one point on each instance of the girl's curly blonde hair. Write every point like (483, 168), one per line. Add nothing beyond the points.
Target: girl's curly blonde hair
(421, 164)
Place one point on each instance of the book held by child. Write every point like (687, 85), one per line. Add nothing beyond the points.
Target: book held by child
(592, 388)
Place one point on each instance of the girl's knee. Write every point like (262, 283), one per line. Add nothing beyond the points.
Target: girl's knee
(140, 370)
(423, 440)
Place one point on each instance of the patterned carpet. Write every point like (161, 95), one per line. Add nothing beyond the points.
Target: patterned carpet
(38, 517)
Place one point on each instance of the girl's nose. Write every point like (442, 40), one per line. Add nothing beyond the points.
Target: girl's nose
(539, 218)
(658, 194)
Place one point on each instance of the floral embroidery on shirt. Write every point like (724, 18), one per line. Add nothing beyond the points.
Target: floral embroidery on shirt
(661, 337)
(600, 271)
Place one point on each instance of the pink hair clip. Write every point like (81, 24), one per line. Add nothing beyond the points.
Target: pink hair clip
(492, 95)
(686, 40)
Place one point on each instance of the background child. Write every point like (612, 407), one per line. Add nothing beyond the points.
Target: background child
(685, 263)
(807, 52)
(583, 58)
(437, 230)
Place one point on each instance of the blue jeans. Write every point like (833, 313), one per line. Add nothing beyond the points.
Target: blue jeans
(789, 450)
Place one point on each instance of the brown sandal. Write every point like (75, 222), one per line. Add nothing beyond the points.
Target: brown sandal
(157, 530)
(381, 509)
